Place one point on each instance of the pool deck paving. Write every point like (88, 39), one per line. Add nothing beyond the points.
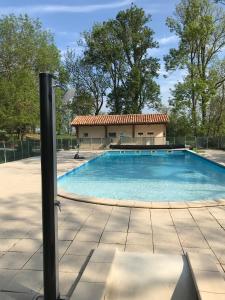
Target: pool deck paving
(86, 226)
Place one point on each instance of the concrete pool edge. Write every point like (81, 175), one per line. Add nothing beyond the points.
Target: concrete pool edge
(141, 204)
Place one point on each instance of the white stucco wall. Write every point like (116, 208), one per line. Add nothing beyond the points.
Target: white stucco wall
(93, 131)
(158, 130)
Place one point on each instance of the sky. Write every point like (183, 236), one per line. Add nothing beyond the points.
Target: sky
(66, 19)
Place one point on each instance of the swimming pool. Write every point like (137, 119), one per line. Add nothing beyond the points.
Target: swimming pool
(158, 175)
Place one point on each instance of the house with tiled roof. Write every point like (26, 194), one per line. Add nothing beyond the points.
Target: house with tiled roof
(138, 128)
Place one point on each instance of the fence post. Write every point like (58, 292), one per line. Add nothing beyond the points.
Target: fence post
(14, 154)
(28, 148)
(21, 143)
(207, 142)
(5, 159)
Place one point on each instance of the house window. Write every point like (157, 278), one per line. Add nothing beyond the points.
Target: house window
(85, 134)
(140, 133)
(112, 134)
(150, 133)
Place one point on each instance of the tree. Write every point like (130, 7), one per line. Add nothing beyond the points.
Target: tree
(88, 80)
(25, 50)
(121, 47)
(200, 26)
(82, 104)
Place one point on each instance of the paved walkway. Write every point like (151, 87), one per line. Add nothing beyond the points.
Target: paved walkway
(83, 227)
(216, 155)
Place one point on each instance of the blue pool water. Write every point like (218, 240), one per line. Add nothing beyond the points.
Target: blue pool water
(150, 176)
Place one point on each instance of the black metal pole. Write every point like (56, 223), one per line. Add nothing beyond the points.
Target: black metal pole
(48, 171)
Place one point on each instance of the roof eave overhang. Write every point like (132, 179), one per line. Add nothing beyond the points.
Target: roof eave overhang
(121, 124)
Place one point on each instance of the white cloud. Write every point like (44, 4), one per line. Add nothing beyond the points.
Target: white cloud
(168, 40)
(58, 8)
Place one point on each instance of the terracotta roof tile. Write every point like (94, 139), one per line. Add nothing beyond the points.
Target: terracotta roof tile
(120, 119)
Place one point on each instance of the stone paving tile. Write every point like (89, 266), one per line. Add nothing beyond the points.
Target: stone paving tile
(81, 248)
(14, 260)
(93, 227)
(208, 223)
(141, 228)
(26, 245)
(217, 212)
(180, 214)
(186, 222)
(208, 281)
(220, 253)
(167, 248)
(139, 239)
(212, 296)
(223, 267)
(161, 217)
(6, 276)
(198, 250)
(117, 226)
(121, 211)
(191, 238)
(202, 262)
(139, 248)
(35, 233)
(35, 262)
(113, 237)
(62, 247)
(221, 222)
(103, 256)
(165, 237)
(96, 272)
(66, 234)
(72, 263)
(96, 219)
(16, 296)
(70, 225)
(6, 244)
(66, 282)
(26, 281)
(89, 236)
(140, 214)
(111, 246)
(88, 290)
(163, 229)
(14, 233)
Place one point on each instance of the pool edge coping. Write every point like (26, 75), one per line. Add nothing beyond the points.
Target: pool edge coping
(141, 204)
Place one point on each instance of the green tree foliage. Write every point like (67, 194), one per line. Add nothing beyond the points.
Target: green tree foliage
(25, 50)
(121, 47)
(82, 104)
(200, 27)
(87, 80)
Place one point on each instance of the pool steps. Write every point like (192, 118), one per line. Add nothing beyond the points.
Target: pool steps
(141, 276)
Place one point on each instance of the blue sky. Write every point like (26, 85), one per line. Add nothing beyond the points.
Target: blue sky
(66, 19)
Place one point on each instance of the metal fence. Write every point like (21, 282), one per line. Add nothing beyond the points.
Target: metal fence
(186, 141)
(16, 149)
